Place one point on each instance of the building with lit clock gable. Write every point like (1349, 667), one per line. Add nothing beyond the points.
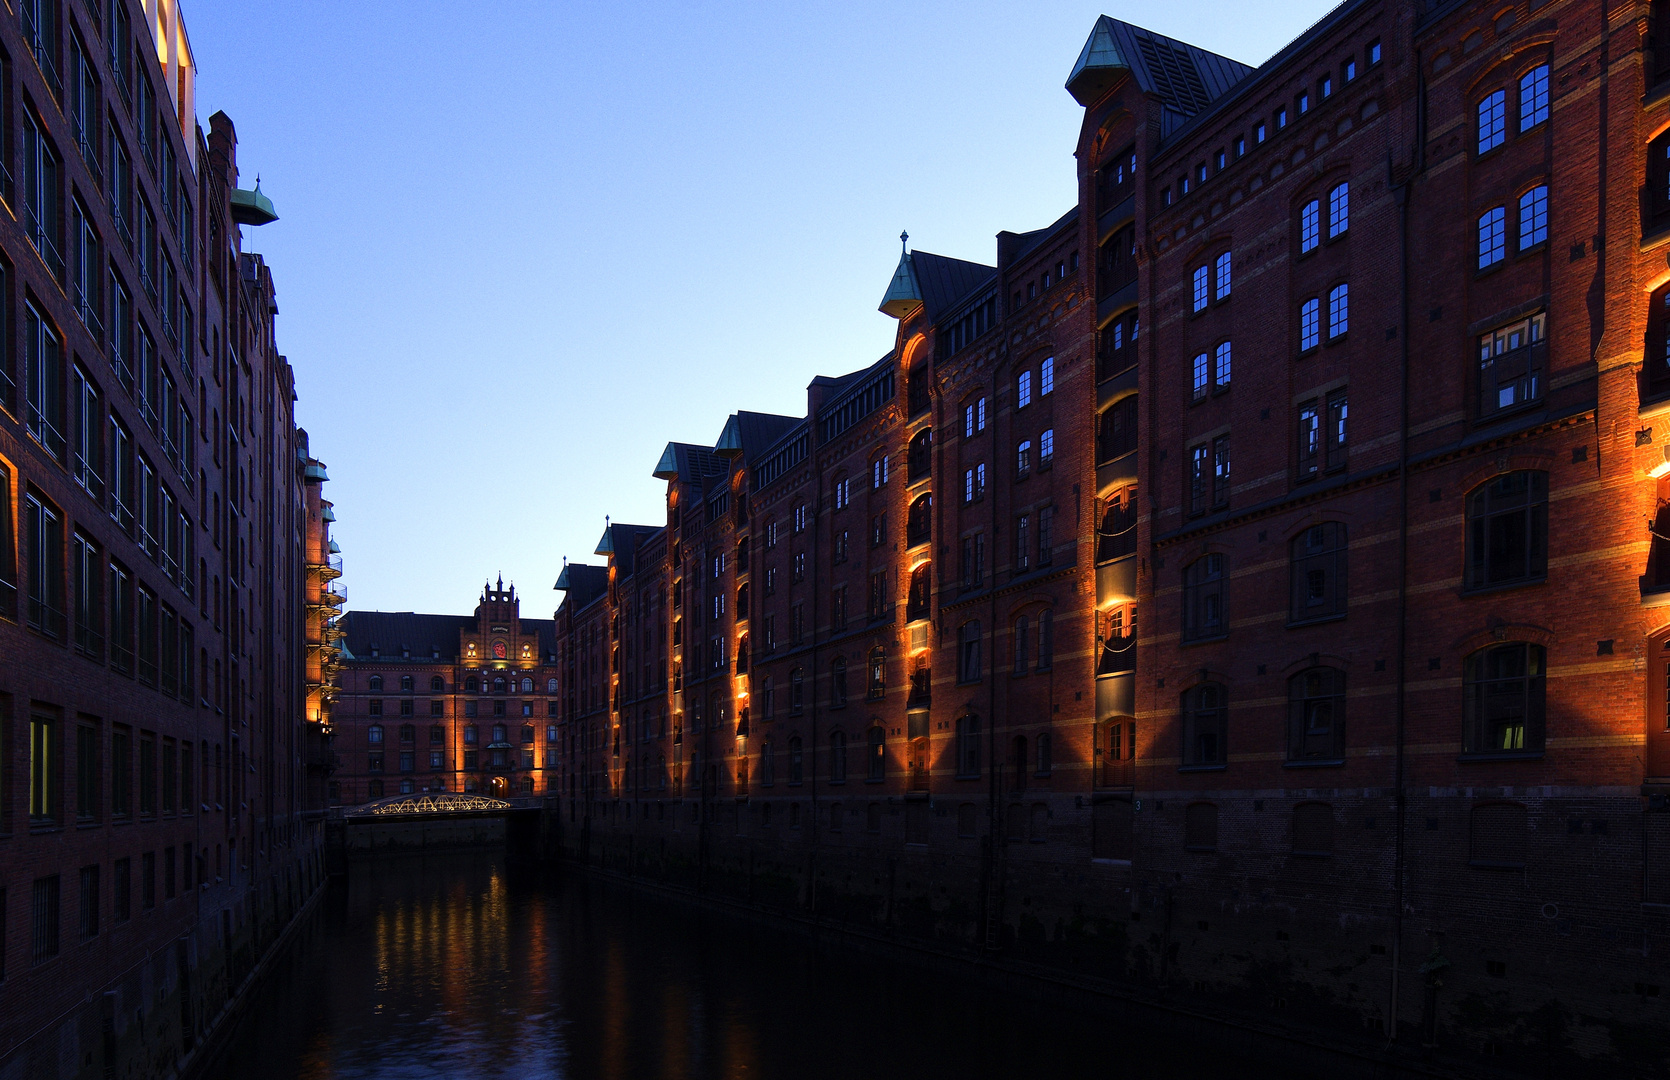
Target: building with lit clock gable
(462, 703)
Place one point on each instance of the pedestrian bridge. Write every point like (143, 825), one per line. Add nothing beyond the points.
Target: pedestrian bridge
(430, 821)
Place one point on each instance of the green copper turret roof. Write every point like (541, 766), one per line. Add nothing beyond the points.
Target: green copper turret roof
(904, 292)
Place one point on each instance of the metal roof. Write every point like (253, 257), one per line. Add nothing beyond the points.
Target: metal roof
(1187, 78)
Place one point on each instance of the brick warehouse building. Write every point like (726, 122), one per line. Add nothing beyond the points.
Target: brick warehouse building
(1365, 732)
(164, 558)
(444, 702)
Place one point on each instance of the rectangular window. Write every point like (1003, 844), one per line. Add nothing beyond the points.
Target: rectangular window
(1511, 359)
(86, 434)
(1260, 132)
(43, 769)
(88, 772)
(147, 774)
(1310, 226)
(1339, 310)
(1201, 291)
(1046, 543)
(1223, 274)
(1325, 87)
(89, 902)
(44, 382)
(44, 939)
(1310, 441)
(1200, 469)
(1349, 70)
(1533, 97)
(87, 585)
(170, 778)
(121, 771)
(1493, 236)
(8, 549)
(121, 900)
(148, 880)
(1203, 598)
(1220, 472)
(44, 533)
(974, 561)
(1310, 324)
(1281, 118)
(1339, 209)
(1023, 543)
(1493, 121)
(1338, 416)
(1303, 102)
(1533, 217)
(1318, 573)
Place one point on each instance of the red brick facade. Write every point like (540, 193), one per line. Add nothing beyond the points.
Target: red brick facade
(444, 703)
(1351, 708)
(160, 535)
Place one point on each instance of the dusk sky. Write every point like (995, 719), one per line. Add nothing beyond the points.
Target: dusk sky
(524, 245)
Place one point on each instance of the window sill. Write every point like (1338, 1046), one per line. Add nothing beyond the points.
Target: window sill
(1502, 755)
(1485, 590)
(1320, 763)
(1294, 624)
(876, 780)
(1203, 768)
(1205, 640)
(966, 776)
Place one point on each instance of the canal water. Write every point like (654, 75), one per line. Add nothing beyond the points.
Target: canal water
(473, 966)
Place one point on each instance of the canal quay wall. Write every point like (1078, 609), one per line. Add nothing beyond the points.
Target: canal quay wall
(1085, 936)
(165, 1014)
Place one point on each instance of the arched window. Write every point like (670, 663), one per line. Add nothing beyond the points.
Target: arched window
(1116, 432)
(1046, 639)
(968, 745)
(527, 686)
(878, 674)
(921, 453)
(376, 682)
(436, 684)
(472, 734)
(1205, 718)
(920, 602)
(917, 388)
(1203, 598)
(1316, 715)
(877, 754)
(1318, 573)
(968, 652)
(406, 683)
(766, 776)
(1507, 530)
(795, 773)
(1116, 750)
(742, 655)
(919, 524)
(408, 733)
(374, 735)
(1313, 829)
(375, 789)
(768, 698)
(1503, 699)
(1200, 827)
(837, 757)
(1041, 745)
(838, 682)
(471, 685)
(498, 685)
(797, 691)
(1116, 536)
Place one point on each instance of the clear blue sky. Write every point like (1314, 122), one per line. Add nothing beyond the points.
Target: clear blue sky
(524, 245)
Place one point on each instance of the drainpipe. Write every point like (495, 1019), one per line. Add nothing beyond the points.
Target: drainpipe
(1399, 861)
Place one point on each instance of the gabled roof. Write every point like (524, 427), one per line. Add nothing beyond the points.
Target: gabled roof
(687, 462)
(750, 433)
(583, 583)
(622, 541)
(944, 280)
(1185, 77)
(934, 281)
(392, 631)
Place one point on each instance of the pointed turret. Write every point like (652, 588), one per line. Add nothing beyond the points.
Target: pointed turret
(904, 293)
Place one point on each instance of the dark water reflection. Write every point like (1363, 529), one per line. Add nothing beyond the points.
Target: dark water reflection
(468, 966)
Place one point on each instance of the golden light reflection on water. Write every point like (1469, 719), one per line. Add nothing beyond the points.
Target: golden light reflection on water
(469, 967)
